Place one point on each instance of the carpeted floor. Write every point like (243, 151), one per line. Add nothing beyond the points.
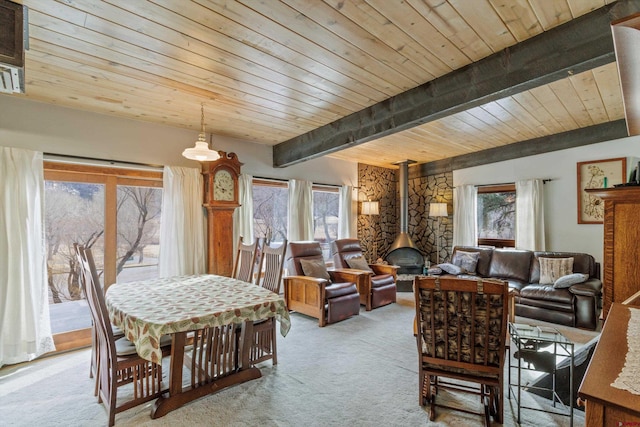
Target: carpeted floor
(359, 372)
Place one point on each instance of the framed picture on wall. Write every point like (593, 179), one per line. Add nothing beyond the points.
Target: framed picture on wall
(597, 174)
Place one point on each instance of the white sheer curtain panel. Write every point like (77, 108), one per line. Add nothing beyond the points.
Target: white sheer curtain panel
(182, 230)
(345, 212)
(465, 212)
(300, 210)
(243, 215)
(530, 215)
(25, 329)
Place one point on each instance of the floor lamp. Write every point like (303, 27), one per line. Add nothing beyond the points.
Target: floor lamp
(370, 208)
(438, 210)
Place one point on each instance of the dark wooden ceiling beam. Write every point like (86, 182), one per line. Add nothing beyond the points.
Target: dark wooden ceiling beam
(574, 138)
(579, 45)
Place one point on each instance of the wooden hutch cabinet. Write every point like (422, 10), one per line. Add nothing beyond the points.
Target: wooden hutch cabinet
(621, 254)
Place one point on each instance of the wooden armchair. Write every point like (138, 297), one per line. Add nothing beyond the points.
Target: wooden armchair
(461, 335)
(329, 296)
(378, 286)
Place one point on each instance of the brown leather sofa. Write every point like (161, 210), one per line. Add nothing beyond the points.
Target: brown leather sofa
(378, 286)
(329, 300)
(576, 306)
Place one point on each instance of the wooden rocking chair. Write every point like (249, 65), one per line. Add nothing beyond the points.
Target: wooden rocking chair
(461, 336)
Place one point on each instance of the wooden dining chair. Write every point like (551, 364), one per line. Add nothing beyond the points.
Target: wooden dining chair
(118, 363)
(269, 277)
(117, 332)
(461, 335)
(245, 261)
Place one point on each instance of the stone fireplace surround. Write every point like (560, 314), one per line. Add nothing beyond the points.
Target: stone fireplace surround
(381, 184)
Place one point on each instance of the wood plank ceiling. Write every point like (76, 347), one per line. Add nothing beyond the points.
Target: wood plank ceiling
(271, 70)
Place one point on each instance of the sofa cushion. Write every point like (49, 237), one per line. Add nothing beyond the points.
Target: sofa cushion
(315, 268)
(570, 279)
(582, 263)
(450, 268)
(535, 292)
(511, 264)
(358, 262)
(467, 261)
(552, 269)
(484, 257)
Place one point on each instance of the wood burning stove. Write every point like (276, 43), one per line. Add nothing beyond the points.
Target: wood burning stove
(404, 252)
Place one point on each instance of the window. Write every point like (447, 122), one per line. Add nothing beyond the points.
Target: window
(497, 215)
(326, 202)
(270, 209)
(115, 212)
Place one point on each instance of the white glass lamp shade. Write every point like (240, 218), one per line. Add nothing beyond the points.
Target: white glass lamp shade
(438, 209)
(201, 151)
(370, 208)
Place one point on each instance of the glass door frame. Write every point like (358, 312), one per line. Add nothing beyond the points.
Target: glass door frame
(110, 177)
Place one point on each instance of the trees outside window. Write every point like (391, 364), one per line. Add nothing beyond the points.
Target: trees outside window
(270, 209)
(326, 202)
(116, 213)
(270, 212)
(497, 215)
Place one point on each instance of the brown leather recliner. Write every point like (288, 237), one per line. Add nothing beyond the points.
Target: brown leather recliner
(329, 300)
(379, 287)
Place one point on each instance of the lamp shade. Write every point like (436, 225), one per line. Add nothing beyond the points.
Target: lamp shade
(370, 208)
(201, 151)
(438, 209)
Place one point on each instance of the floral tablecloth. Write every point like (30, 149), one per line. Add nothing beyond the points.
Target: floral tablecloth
(149, 309)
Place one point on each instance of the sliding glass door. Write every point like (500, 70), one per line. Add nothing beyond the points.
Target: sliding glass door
(116, 213)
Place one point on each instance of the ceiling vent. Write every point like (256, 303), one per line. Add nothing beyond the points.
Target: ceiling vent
(13, 43)
(11, 80)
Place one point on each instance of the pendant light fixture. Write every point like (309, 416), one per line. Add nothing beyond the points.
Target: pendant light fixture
(201, 151)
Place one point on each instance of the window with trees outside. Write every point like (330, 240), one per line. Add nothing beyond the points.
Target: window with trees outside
(497, 215)
(115, 212)
(270, 212)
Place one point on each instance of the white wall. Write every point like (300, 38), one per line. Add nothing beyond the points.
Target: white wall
(59, 130)
(53, 129)
(563, 233)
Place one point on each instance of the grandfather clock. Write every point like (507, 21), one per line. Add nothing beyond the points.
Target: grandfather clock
(221, 200)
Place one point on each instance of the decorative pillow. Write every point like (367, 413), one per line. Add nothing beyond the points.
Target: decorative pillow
(552, 269)
(434, 271)
(570, 279)
(359, 263)
(467, 261)
(315, 268)
(450, 268)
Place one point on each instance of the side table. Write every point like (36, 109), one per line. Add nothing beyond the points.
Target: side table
(543, 345)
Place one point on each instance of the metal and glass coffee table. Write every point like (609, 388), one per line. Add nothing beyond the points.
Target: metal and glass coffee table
(540, 348)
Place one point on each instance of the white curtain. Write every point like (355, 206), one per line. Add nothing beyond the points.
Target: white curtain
(25, 329)
(243, 215)
(300, 210)
(182, 230)
(345, 212)
(530, 215)
(465, 229)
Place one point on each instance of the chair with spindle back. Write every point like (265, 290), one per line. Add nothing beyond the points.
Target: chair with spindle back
(118, 363)
(269, 277)
(117, 332)
(245, 261)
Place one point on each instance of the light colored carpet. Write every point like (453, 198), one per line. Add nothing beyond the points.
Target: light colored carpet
(359, 372)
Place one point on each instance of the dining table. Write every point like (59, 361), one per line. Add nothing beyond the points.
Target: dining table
(201, 306)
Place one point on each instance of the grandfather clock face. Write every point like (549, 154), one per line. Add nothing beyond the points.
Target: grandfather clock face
(223, 186)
